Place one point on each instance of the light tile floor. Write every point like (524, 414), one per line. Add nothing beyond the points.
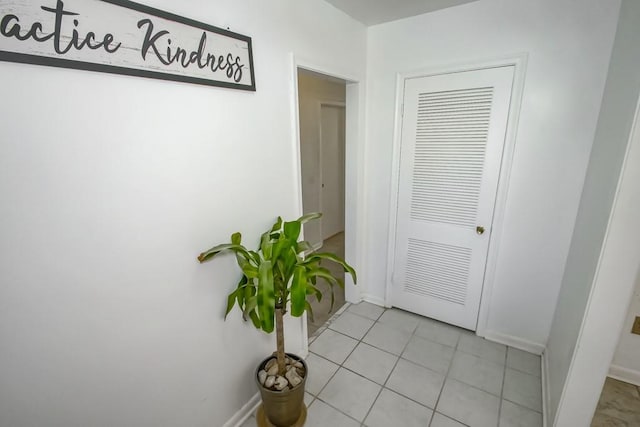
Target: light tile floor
(377, 368)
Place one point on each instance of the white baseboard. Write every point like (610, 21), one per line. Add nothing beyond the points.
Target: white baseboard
(546, 396)
(519, 343)
(314, 247)
(373, 300)
(623, 374)
(245, 412)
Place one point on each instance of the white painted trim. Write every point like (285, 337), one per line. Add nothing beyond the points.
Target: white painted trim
(519, 62)
(305, 64)
(624, 374)
(297, 179)
(245, 412)
(319, 106)
(515, 342)
(497, 226)
(395, 189)
(373, 299)
(354, 244)
(612, 288)
(546, 392)
(355, 194)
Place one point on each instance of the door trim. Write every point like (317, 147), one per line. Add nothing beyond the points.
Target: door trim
(355, 220)
(321, 104)
(519, 62)
(612, 288)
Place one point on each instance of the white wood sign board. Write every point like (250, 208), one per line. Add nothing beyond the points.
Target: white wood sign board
(123, 37)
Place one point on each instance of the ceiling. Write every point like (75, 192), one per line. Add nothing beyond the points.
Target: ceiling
(372, 12)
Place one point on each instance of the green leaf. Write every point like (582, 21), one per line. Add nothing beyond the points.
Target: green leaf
(238, 249)
(255, 256)
(326, 275)
(309, 310)
(298, 291)
(250, 305)
(253, 315)
(277, 225)
(277, 273)
(309, 217)
(279, 268)
(292, 230)
(236, 238)
(311, 264)
(266, 246)
(303, 246)
(231, 300)
(290, 260)
(334, 258)
(266, 297)
(313, 290)
(281, 245)
(249, 270)
(238, 295)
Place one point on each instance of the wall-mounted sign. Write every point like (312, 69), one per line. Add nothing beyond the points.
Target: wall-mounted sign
(122, 37)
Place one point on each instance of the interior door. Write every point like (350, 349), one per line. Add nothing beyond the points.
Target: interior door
(453, 133)
(332, 138)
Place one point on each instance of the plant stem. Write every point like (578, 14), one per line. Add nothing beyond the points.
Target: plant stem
(280, 342)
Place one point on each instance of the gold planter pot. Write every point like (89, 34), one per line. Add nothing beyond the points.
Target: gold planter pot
(283, 408)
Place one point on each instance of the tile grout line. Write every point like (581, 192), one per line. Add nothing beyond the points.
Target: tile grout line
(317, 396)
(391, 371)
(445, 379)
(382, 387)
(522, 406)
(504, 379)
(502, 398)
(328, 322)
(398, 357)
(313, 337)
(341, 366)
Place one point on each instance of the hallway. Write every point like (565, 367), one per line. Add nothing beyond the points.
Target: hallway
(321, 309)
(378, 367)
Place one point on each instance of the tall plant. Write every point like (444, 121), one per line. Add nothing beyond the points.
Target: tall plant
(281, 273)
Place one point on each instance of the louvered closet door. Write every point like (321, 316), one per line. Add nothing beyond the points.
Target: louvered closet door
(453, 133)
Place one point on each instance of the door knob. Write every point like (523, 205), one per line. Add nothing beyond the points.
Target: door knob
(480, 229)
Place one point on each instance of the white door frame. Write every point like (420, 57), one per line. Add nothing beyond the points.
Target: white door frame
(319, 114)
(613, 286)
(355, 225)
(519, 62)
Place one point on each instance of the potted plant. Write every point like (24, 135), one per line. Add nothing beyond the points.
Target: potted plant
(277, 278)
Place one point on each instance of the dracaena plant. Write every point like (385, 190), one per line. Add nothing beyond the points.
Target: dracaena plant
(278, 276)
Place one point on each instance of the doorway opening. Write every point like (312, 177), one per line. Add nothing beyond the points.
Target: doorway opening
(619, 402)
(322, 123)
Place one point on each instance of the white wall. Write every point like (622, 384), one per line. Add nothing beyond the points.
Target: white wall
(611, 139)
(110, 188)
(568, 47)
(626, 361)
(312, 90)
(612, 288)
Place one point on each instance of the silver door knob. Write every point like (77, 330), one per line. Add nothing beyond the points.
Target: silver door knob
(480, 229)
